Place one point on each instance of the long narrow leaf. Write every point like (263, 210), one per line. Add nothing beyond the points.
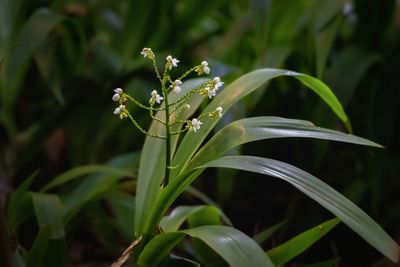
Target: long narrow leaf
(295, 246)
(233, 246)
(259, 128)
(236, 91)
(77, 172)
(49, 211)
(236, 248)
(322, 193)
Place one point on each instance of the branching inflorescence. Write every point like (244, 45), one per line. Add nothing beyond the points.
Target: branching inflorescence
(169, 85)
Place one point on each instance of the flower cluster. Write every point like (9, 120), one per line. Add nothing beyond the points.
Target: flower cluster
(212, 87)
(169, 85)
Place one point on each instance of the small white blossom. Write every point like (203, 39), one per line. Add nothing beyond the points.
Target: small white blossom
(187, 106)
(157, 98)
(171, 62)
(177, 89)
(147, 53)
(196, 124)
(219, 110)
(117, 96)
(218, 83)
(205, 68)
(119, 109)
(210, 92)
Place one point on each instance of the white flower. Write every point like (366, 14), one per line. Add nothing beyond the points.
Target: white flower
(210, 92)
(218, 83)
(196, 124)
(117, 96)
(177, 89)
(205, 68)
(145, 52)
(156, 96)
(219, 110)
(171, 62)
(187, 106)
(119, 109)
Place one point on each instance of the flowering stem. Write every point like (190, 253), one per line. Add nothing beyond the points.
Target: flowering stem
(141, 129)
(168, 136)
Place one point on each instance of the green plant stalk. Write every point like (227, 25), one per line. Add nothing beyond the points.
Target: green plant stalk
(167, 137)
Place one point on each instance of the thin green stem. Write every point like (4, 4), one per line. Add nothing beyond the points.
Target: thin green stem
(168, 135)
(141, 129)
(140, 104)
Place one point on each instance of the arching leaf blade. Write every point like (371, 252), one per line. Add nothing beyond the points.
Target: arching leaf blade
(259, 128)
(322, 193)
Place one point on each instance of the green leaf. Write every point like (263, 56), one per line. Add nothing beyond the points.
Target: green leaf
(49, 211)
(236, 91)
(17, 199)
(177, 261)
(36, 255)
(322, 193)
(177, 217)
(159, 247)
(97, 185)
(31, 36)
(258, 128)
(9, 13)
(236, 248)
(152, 161)
(295, 246)
(77, 172)
(267, 233)
(233, 246)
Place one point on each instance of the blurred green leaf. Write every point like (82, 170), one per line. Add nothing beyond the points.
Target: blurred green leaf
(96, 185)
(322, 193)
(352, 60)
(297, 245)
(77, 172)
(267, 233)
(35, 256)
(16, 200)
(31, 36)
(323, 44)
(49, 211)
(9, 13)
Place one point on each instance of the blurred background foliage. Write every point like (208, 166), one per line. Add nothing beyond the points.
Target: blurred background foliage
(60, 60)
